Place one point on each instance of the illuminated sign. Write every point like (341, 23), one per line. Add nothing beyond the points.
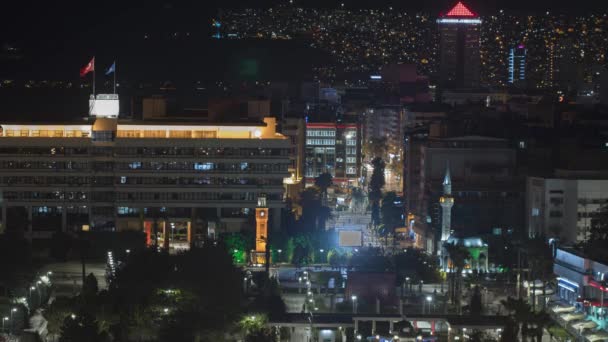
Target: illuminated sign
(460, 10)
(104, 105)
(458, 21)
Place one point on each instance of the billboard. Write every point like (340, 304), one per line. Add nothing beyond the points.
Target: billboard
(350, 238)
(105, 105)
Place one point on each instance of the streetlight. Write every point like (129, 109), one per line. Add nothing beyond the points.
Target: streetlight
(354, 298)
(73, 316)
(4, 319)
(165, 310)
(31, 289)
(300, 285)
(407, 281)
(13, 310)
(429, 299)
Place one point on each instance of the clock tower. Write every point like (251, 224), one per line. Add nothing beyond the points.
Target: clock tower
(261, 232)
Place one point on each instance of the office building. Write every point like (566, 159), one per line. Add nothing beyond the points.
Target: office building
(459, 63)
(517, 65)
(581, 283)
(384, 122)
(107, 174)
(563, 207)
(488, 195)
(333, 148)
(295, 130)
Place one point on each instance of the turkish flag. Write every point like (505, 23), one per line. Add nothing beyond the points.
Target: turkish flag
(88, 68)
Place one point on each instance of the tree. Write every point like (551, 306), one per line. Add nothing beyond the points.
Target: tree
(310, 200)
(476, 306)
(538, 322)
(237, 245)
(519, 311)
(203, 307)
(458, 256)
(252, 326)
(90, 287)
(80, 327)
(375, 188)
(376, 148)
(391, 213)
(323, 182)
(55, 315)
(270, 301)
(358, 198)
(417, 265)
(509, 334)
(540, 261)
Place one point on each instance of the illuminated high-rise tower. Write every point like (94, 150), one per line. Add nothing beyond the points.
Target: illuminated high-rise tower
(517, 65)
(459, 48)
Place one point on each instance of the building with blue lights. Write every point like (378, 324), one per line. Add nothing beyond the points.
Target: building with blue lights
(517, 65)
(581, 283)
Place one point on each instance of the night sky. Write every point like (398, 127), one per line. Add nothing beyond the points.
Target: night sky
(55, 37)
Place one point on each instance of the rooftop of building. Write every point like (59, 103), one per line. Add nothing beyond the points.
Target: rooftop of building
(250, 129)
(124, 121)
(595, 254)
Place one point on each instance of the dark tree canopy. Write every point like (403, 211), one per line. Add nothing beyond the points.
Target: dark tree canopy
(375, 188)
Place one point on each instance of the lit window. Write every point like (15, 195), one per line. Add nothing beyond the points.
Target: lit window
(135, 165)
(203, 166)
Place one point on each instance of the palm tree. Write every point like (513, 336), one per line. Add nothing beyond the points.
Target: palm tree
(539, 321)
(323, 182)
(376, 184)
(357, 197)
(519, 311)
(541, 266)
(458, 257)
(311, 204)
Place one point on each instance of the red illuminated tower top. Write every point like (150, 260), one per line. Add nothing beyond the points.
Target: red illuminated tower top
(461, 11)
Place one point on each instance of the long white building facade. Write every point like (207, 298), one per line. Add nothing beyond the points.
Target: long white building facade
(107, 174)
(560, 207)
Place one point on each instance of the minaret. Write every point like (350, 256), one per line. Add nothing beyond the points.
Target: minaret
(447, 202)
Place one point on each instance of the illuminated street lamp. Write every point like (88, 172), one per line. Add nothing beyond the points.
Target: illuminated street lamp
(4, 319)
(13, 310)
(354, 298)
(73, 316)
(429, 299)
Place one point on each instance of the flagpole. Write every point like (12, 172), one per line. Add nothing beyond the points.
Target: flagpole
(94, 76)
